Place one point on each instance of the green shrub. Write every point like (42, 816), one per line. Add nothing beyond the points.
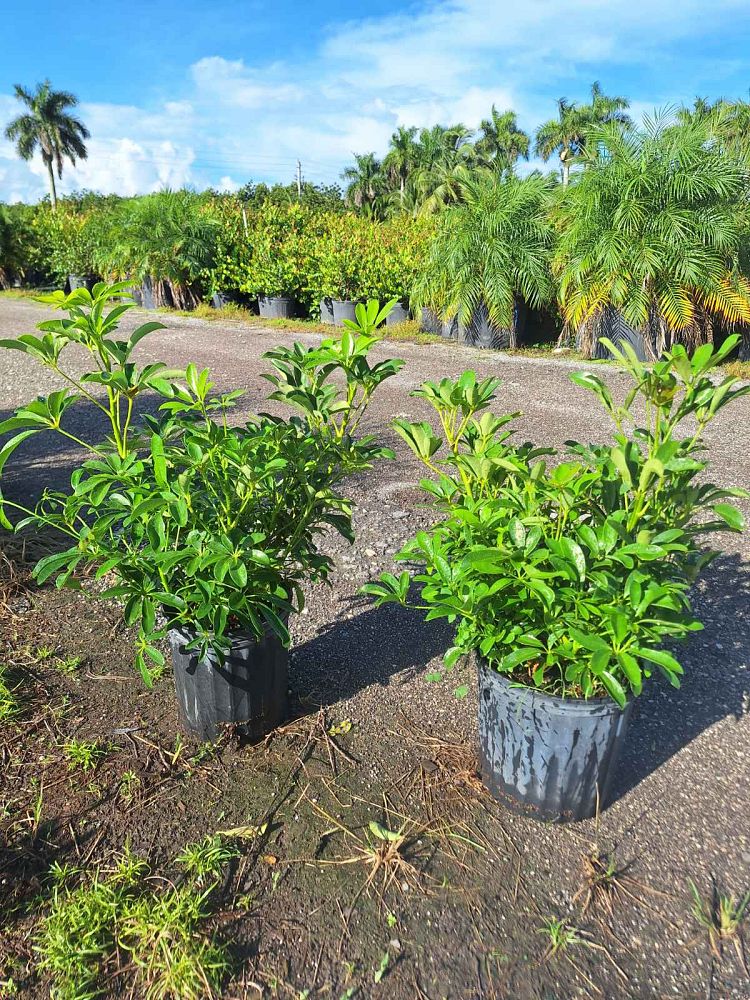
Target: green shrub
(170, 238)
(67, 240)
(216, 527)
(569, 579)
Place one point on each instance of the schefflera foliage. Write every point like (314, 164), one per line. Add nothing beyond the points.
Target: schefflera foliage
(570, 577)
(215, 526)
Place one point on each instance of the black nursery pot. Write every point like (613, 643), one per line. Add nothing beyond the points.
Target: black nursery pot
(248, 691)
(275, 307)
(81, 281)
(326, 311)
(399, 314)
(550, 758)
(343, 309)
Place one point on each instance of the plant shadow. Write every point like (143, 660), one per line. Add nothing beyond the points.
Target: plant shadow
(716, 682)
(368, 647)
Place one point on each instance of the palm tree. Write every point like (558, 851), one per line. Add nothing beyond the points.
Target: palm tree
(49, 127)
(566, 134)
(502, 143)
(401, 159)
(168, 239)
(365, 183)
(491, 252)
(446, 160)
(651, 232)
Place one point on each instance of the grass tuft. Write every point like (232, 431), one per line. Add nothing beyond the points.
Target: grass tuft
(114, 925)
(9, 706)
(721, 917)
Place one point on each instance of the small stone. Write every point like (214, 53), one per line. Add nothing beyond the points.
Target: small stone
(370, 553)
(398, 515)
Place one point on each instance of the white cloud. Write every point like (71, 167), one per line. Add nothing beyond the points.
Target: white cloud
(231, 120)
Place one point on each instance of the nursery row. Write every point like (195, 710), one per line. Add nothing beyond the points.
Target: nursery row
(563, 575)
(647, 244)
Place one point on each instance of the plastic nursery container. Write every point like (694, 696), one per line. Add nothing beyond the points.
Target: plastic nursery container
(326, 311)
(276, 307)
(552, 758)
(399, 314)
(248, 691)
(343, 309)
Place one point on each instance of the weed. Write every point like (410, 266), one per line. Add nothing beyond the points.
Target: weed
(739, 369)
(381, 970)
(561, 934)
(8, 701)
(410, 332)
(44, 653)
(83, 754)
(68, 664)
(115, 923)
(721, 918)
(602, 880)
(207, 857)
(128, 786)
(204, 752)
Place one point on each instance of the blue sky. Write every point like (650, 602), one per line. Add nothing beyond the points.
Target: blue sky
(222, 92)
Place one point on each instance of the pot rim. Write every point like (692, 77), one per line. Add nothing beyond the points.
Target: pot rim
(238, 637)
(563, 706)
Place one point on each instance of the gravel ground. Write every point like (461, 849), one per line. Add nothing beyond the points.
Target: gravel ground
(682, 803)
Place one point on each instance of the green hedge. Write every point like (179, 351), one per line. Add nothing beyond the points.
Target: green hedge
(192, 245)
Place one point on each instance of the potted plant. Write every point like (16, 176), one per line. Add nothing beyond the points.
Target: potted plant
(275, 270)
(650, 246)
(339, 257)
(207, 533)
(488, 258)
(566, 580)
(165, 243)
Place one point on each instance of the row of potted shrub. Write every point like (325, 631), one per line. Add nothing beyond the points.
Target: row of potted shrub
(563, 575)
(179, 248)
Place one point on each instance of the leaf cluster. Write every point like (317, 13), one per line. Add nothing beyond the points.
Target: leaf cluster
(194, 523)
(570, 575)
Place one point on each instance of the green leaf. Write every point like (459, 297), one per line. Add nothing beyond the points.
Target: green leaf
(517, 533)
(614, 688)
(522, 655)
(159, 462)
(730, 515)
(621, 464)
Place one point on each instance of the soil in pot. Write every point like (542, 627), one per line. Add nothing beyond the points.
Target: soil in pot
(551, 758)
(276, 307)
(249, 690)
(344, 309)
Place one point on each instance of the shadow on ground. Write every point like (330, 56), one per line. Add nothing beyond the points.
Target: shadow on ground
(367, 648)
(716, 683)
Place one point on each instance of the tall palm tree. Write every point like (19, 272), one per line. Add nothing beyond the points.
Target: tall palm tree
(401, 159)
(491, 252)
(365, 183)
(651, 231)
(445, 160)
(502, 143)
(566, 134)
(48, 126)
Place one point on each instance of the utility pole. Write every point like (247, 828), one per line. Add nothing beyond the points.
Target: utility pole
(299, 179)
